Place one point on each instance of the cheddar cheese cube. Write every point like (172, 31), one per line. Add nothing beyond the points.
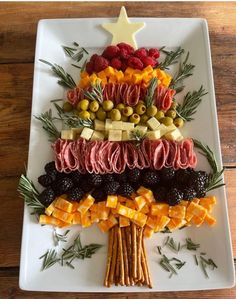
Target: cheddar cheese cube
(210, 220)
(85, 219)
(159, 209)
(49, 220)
(50, 208)
(102, 210)
(177, 211)
(147, 193)
(148, 231)
(161, 223)
(195, 210)
(64, 205)
(140, 202)
(124, 221)
(125, 211)
(111, 201)
(86, 204)
(63, 216)
(176, 223)
(139, 219)
(76, 218)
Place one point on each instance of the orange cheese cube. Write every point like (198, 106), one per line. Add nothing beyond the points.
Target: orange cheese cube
(184, 203)
(84, 74)
(145, 209)
(94, 207)
(161, 223)
(49, 220)
(148, 232)
(111, 201)
(102, 75)
(196, 200)
(94, 217)
(109, 71)
(112, 221)
(64, 205)
(119, 76)
(121, 198)
(125, 211)
(84, 82)
(105, 225)
(198, 221)
(195, 210)
(50, 208)
(63, 216)
(140, 202)
(129, 71)
(102, 210)
(139, 219)
(152, 222)
(148, 69)
(176, 223)
(159, 209)
(112, 80)
(146, 193)
(210, 220)
(124, 221)
(177, 211)
(75, 206)
(85, 219)
(136, 78)
(86, 204)
(130, 204)
(76, 218)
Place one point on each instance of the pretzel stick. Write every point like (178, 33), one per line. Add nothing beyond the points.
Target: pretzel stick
(128, 242)
(111, 238)
(122, 274)
(134, 250)
(139, 248)
(114, 254)
(149, 283)
(126, 264)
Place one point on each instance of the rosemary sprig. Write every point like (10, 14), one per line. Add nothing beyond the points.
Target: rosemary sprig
(59, 237)
(215, 180)
(185, 71)
(190, 103)
(65, 79)
(95, 93)
(47, 121)
(77, 53)
(165, 263)
(138, 136)
(69, 51)
(49, 259)
(150, 92)
(30, 194)
(190, 245)
(172, 244)
(166, 231)
(171, 58)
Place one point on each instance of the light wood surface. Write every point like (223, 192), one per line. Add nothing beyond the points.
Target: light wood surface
(18, 24)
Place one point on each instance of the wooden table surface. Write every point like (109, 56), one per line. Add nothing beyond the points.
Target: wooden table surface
(18, 22)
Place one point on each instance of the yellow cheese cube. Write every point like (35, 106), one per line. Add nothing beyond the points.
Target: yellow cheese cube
(210, 220)
(145, 209)
(85, 219)
(63, 216)
(196, 210)
(125, 211)
(76, 218)
(102, 210)
(198, 221)
(130, 204)
(148, 69)
(50, 208)
(159, 209)
(124, 221)
(140, 202)
(139, 219)
(152, 222)
(111, 201)
(86, 204)
(162, 222)
(64, 205)
(102, 75)
(109, 71)
(177, 211)
(148, 232)
(146, 193)
(49, 220)
(121, 198)
(176, 223)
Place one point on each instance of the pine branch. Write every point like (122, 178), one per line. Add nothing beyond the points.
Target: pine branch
(170, 59)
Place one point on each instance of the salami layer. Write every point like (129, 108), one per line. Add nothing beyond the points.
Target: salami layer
(113, 157)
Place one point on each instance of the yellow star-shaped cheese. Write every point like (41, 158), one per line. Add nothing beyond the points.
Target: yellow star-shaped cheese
(123, 30)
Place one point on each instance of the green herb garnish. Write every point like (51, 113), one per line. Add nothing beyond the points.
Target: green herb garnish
(50, 258)
(173, 245)
(65, 79)
(95, 93)
(30, 194)
(59, 237)
(190, 103)
(150, 92)
(171, 58)
(190, 245)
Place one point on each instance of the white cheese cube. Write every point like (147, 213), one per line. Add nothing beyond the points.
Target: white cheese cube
(153, 134)
(127, 135)
(153, 123)
(166, 129)
(115, 135)
(76, 132)
(141, 129)
(174, 135)
(108, 125)
(86, 133)
(99, 125)
(67, 134)
(127, 126)
(97, 135)
(117, 125)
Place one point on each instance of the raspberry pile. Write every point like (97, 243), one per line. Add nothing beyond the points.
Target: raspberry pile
(122, 56)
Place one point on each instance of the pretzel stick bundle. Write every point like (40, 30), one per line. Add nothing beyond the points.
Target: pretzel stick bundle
(127, 260)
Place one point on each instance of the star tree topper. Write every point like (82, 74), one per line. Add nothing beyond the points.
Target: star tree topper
(123, 30)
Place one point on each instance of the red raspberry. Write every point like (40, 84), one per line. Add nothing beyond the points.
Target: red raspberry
(116, 63)
(149, 61)
(140, 53)
(100, 64)
(126, 47)
(123, 66)
(154, 53)
(111, 52)
(124, 54)
(135, 63)
(93, 57)
(89, 67)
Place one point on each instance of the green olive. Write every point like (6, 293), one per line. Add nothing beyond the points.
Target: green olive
(83, 105)
(127, 111)
(167, 121)
(144, 118)
(160, 114)
(178, 122)
(134, 118)
(115, 114)
(140, 109)
(109, 114)
(67, 107)
(173, 105)
(101, 114)
(171, 113)
(84, 114)
(120, 107)
(151, 111)
(107, 105)
(94, 106)
(92, 115)
(124, 118)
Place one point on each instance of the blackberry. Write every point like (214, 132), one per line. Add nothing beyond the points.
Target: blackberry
(189, 193)
(167, 174)
(174, 196)
(45, 180)
(204, 176)
(197, 180)
(182, 176)
(121, 177)
(50, 168)
(95, 179)
(86, 185)
(125, 190)
(108, 177)
(151, 177)
(135, 185)
(76, 176)
(111, 187)
(76, 194)
(160, 193)
(47, 196)
(201, 192)
(134, 175)
(64, 185)
(99, 194)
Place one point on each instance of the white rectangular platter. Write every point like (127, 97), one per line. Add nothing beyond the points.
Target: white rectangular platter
(88, 275)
